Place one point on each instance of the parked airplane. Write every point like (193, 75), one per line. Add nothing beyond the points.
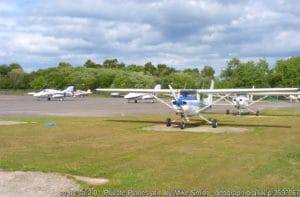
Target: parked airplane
(142, 96)
(243, 102)
(53, 94)
(187, 103)
(294, 98)
(82, 93)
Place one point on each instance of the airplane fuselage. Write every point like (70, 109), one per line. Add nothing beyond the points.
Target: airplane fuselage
(241, 101)
(187, 105)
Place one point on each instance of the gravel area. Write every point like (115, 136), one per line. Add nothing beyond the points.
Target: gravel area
(35, 184)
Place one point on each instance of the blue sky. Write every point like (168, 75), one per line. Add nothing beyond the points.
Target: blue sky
(180, 33)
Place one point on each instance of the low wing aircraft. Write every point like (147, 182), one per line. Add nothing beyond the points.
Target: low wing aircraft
(82, 93)
(187, 103)
(53, 94)
(142, 96)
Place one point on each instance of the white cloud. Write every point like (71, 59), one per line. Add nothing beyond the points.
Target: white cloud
(178, 32)
(36, 43)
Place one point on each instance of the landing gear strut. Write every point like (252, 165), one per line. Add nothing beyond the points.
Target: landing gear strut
(168, 122)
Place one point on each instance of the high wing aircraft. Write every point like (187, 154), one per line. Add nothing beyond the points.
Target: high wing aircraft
(187, 103)
(82, 93)
(242, 102)
(245, 101)
(294, 98)
(142, 96)
(53, 94)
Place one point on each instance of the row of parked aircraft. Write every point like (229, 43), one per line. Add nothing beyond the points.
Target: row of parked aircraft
(60, 94)
(185, 103)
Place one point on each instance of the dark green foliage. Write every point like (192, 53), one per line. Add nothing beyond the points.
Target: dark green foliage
(91, 75)
(246, 75)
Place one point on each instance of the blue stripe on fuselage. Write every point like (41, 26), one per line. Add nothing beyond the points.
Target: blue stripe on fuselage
(189, 101)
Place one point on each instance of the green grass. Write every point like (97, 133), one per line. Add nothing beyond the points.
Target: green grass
(265, 158)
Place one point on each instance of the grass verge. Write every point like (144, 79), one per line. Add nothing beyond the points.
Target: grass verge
(117, 148)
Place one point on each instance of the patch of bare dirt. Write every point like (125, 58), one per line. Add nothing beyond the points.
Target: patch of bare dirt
(11, 122)
(200, 129)
(36, 184)
(92, 181)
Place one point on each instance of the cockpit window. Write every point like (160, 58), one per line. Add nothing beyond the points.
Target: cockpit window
(188, 93)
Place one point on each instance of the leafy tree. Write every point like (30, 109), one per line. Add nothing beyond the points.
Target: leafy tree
(286, 73)
(150, 69)
(163, 70)
(64, 65)
(113, 63)
(180, 80)
(38, 83)
(15, 66)
(4, 69)
(238, 74)
(133, 80)
(207, 74)
(135, 68)
(229, 72)
(91, 64)
(16, 76)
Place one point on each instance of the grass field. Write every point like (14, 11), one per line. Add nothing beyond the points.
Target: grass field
(265, 158)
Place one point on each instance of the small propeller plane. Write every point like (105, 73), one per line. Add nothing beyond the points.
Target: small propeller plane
(82, 93)
(187, 103)
(242, 102)
(142, 96)
(53, 94)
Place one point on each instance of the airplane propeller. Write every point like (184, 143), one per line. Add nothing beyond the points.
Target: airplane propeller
(179, 102)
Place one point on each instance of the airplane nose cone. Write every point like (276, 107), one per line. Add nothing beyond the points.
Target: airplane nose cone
(179, 102)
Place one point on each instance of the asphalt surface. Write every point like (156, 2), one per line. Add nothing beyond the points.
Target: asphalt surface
(28, 106)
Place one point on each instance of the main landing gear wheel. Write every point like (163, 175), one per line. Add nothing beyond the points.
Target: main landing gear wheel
(257, 113)
(214, 123)
(168, 122)
(227, 112)
(182, 125)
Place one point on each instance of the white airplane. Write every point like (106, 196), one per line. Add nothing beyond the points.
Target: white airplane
(82, 93)
(245, 101)
(187, 103)
(294, 98)
(242, 102)
(142, 96)
(53, 94)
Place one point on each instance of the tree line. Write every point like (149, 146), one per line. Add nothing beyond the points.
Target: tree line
(114, 74)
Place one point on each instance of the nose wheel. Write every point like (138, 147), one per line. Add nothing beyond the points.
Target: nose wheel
(182, 125)
(214, 123)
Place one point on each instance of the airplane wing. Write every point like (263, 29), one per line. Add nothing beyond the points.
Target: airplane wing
(58, 95)
(276, 93)
(133, 90)
(212, 91)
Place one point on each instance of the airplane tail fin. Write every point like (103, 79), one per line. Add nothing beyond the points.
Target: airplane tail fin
(157, 87)
(251, 96)
(69, 89)
(209, 100)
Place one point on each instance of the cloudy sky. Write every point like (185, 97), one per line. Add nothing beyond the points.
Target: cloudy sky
(179, 33)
